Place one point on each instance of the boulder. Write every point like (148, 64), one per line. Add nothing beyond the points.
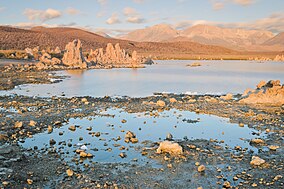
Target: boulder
(73, 56)
(269, 93)
(169, 147)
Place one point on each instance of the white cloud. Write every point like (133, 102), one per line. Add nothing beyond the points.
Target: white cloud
(218, 5)
(135, 19)
(102, 2)
(273, 23)
(72, 11)
(133, 16)
(113, 19)
(128, 11)
(42, 15)
(138, 1)
(244, 2)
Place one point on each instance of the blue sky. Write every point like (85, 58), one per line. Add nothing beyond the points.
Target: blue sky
(119, 16)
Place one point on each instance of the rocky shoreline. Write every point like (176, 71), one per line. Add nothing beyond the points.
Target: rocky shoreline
(22, 117)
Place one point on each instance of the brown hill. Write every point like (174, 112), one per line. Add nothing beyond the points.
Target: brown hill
(19, 39)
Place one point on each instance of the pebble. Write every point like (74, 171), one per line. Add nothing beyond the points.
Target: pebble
(49, 129)
(255, 160)
(201, 168)
(29, 181)
(72, 128)
(69, 172)
(273, 148)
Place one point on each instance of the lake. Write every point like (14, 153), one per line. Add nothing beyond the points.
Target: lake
(212, 77)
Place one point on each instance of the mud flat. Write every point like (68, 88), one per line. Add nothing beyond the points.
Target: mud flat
(47, 134)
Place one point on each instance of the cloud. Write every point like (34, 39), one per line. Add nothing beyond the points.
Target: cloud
(133, 16)
(128, 11)
(135, 20)
(102, 2)
(273, 23)
(218, 5)
(72, 11)
(244, 2)
(28, 25)
(113, 19)
(138, 1)
(42, 15)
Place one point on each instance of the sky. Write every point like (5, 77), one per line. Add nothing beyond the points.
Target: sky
(116, 17)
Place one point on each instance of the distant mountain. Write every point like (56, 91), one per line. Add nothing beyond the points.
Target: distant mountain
(103, 34)
(156, 33)
(277, 40)
(226, 37)
(238, 39)
(19, 39)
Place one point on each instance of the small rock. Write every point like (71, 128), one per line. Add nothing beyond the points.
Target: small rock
(227, 184)
(72, 128)
(257, 141)
(32, 123)
(52, 142)
(29, 181)
(161, 103)
(256, 161)
(49, 129)
(83, 154)
(18, 124)
(201, 168)
(122, 155)
(169, 136)
(272, 147)
(69, 172)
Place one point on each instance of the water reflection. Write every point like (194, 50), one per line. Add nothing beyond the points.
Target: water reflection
(107, 147)
(213, 77)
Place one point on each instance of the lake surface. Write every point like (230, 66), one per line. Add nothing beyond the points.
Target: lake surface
(213, 77)
(146, 128)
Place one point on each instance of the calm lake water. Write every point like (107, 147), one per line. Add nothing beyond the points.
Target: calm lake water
(145, 127)
(213, 77)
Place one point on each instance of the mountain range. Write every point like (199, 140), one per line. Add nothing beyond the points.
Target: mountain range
(19, 39)
(237, 39)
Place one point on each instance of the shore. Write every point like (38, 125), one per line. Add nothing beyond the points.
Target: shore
(222, 164)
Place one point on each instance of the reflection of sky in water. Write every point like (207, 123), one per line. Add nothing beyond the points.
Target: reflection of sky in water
(155, 129)
(166, 76)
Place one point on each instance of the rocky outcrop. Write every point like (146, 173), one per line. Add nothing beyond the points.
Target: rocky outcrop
(46, 59)
(73, 56)
(279, 58)
(266, 93)
(114, 55)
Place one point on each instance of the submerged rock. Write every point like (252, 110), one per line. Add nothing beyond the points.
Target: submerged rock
(169, 147)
